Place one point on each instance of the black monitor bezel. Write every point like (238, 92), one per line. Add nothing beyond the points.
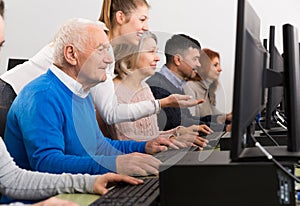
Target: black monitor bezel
(274, 94)
(248, 23)
(292, 86)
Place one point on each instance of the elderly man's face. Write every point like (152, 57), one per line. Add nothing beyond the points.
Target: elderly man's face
(95, 59)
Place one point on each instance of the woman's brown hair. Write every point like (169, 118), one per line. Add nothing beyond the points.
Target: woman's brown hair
(206, 57)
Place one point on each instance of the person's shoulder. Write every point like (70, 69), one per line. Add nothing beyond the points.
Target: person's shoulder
(41, 84)
(192, 84)
(195, 84)
(157, 78)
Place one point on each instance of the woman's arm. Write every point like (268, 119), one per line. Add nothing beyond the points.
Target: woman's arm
(21, 184)
(111, 112)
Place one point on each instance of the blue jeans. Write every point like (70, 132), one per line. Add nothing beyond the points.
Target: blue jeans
(7, 96)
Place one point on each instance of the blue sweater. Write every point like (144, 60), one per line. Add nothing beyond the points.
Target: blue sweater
(50, 129)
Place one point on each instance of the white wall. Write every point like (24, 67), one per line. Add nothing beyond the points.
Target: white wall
(32, 23)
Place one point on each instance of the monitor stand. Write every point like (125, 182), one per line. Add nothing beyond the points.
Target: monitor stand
(278, 134)
(280, 153)
(281, 139)
(277, 131)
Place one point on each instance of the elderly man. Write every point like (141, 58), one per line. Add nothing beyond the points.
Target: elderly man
(51, 125)
(22, 184)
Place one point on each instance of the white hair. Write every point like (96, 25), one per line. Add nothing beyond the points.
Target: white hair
(74, 31)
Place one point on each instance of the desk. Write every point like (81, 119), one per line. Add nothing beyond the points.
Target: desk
(86, 199)
(81, 199)
(238, 183)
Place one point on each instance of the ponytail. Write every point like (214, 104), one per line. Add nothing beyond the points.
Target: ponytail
(110, 7)
(105, 15)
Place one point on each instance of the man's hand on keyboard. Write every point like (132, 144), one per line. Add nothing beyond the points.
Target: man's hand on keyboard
(194, 130)
(159, 144)
(102, 181)
(203, 128)
(137, 164)
(192, 140)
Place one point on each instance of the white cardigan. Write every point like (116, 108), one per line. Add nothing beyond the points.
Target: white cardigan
(22, 184)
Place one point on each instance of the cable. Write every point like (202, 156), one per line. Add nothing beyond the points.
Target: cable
(278, 117)
(270, 157)
(282, 115)
(265, 132)
(281, 125)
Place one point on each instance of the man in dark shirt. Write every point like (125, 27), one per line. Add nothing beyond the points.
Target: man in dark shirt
(182, 61)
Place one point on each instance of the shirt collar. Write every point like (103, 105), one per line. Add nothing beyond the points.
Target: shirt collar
(172, 77)
(71, 83)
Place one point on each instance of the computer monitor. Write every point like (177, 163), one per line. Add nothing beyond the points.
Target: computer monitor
(292, 85)
(12, 62)
(274, 94)
(250, 80)
(250, 62)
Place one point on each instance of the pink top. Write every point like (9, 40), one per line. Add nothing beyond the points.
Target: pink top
(143, 129)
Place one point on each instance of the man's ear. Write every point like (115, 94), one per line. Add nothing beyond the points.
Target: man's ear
(120, 17)
(177, 59)
(70, 54)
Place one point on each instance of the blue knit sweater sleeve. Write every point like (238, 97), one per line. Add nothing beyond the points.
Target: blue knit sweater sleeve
(128, 146)
(58, 132)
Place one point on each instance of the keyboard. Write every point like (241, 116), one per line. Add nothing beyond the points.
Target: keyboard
(217, 128)
(214, 138)
(131, 195)
(173, 153)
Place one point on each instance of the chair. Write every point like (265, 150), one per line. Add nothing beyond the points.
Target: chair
(7, 95)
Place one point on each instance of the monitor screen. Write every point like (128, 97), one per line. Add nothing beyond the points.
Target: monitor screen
(250, 62)
(275, 94)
